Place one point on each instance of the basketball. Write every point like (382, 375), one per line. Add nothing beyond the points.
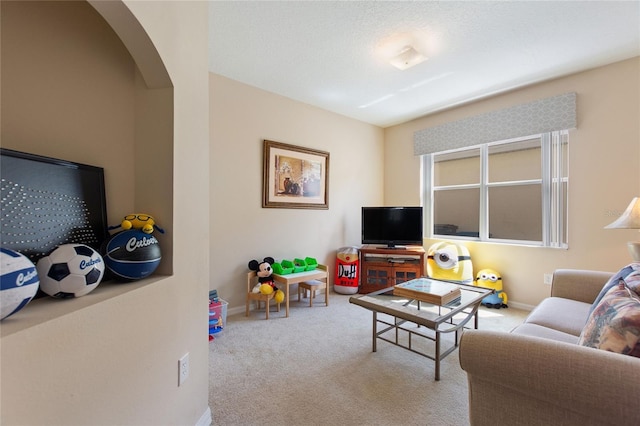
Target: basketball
(18, 282)
(132, 255)
(71, 270)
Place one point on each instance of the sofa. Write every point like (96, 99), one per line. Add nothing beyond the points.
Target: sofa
(541, 373)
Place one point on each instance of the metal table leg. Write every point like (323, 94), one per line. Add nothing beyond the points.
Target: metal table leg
(375, 334)
(437, 360)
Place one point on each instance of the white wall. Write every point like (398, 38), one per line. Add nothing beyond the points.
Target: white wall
(604, 173)
(71, 90)
(241, 230)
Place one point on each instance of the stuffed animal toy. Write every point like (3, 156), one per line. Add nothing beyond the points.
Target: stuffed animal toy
(143, 222)
(491, 279)
(266, 284)
(448, 261)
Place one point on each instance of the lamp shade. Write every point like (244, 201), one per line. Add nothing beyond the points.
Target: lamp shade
(630, 218)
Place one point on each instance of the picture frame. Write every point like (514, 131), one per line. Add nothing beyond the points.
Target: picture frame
(295, 177)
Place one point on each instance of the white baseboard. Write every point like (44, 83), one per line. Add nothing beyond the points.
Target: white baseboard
(522, 306)
(205, 419)
(237, 310)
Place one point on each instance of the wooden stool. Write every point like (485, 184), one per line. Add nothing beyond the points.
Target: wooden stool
(312, 286)
(258, 297)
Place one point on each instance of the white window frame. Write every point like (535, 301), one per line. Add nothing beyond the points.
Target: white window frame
(554, 175)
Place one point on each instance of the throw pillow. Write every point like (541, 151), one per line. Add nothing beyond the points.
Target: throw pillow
(633, 280)
(614, 325)
(613, 281)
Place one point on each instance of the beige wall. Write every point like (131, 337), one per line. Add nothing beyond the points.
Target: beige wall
(241, 230)
(60, 99)
(71, 89)
(604, 173)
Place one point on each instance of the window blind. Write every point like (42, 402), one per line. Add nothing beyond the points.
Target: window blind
(540, 116)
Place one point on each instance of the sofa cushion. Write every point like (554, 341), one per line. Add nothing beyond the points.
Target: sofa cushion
(613, 281)
(565, 315)
(536, 330)
(614, 325)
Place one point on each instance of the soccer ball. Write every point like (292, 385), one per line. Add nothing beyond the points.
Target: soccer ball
(71, 270)
(18, 282)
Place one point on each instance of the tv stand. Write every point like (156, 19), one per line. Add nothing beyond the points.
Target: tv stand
(384, 267)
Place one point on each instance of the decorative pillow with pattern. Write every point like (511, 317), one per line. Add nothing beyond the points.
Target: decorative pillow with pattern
(633, 279)
(613, 281)
(614, 325)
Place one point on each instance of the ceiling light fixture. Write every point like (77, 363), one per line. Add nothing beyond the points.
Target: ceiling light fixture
(404, 50)
(407, 58)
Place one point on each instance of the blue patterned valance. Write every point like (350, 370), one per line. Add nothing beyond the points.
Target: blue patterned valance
(541, 116)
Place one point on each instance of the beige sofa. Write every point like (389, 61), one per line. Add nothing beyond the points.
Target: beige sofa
(538, 375)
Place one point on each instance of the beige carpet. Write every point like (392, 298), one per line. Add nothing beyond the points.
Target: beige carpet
(317, 368)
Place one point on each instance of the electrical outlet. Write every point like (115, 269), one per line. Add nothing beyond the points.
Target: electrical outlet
(548, 278)
(183, 369)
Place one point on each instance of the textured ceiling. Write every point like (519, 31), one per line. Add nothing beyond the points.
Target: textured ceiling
(326, 53)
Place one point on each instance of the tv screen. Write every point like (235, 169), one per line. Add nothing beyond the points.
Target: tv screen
(392, 225)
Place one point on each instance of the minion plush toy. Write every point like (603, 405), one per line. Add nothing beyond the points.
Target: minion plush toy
(448, 261)
(143, 222)
(491, 279)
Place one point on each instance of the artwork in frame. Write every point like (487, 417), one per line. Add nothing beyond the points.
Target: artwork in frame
(295, 177)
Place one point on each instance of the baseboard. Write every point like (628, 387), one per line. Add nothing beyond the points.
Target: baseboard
(205, 419)
(237, 310)
(522, 306)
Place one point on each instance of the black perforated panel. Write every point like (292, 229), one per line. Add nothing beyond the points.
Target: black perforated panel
(47, 202)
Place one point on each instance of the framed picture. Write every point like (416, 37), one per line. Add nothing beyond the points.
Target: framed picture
(295, 177)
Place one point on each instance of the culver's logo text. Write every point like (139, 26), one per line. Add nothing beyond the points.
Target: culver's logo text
(134, 243)
(84, 264)
(21, 279)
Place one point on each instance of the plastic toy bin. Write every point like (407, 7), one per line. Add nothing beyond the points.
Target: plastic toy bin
(311, 262)
(300, 264)
(217, 316)
(291, 265)
(280, 269)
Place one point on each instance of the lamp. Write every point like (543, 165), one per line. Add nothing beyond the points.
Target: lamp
(630, 219)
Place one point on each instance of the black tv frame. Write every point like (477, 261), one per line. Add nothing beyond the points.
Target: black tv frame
(387, 239)
(45, 199)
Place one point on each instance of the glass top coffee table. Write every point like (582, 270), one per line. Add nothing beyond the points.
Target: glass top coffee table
(448, 318)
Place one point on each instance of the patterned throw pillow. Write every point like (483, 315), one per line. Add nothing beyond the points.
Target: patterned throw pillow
(614, 325)
(633, 280)
(613, 281)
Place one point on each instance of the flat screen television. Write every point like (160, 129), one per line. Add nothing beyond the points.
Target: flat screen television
(392, 226)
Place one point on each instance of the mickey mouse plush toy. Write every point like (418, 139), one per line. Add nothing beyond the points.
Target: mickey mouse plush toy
(266, 284)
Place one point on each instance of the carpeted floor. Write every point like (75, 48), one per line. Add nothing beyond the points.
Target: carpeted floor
(317, 368)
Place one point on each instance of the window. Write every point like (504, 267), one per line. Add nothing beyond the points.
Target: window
(512, 191)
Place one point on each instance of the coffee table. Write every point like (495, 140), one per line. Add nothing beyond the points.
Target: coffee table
(448, 318)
